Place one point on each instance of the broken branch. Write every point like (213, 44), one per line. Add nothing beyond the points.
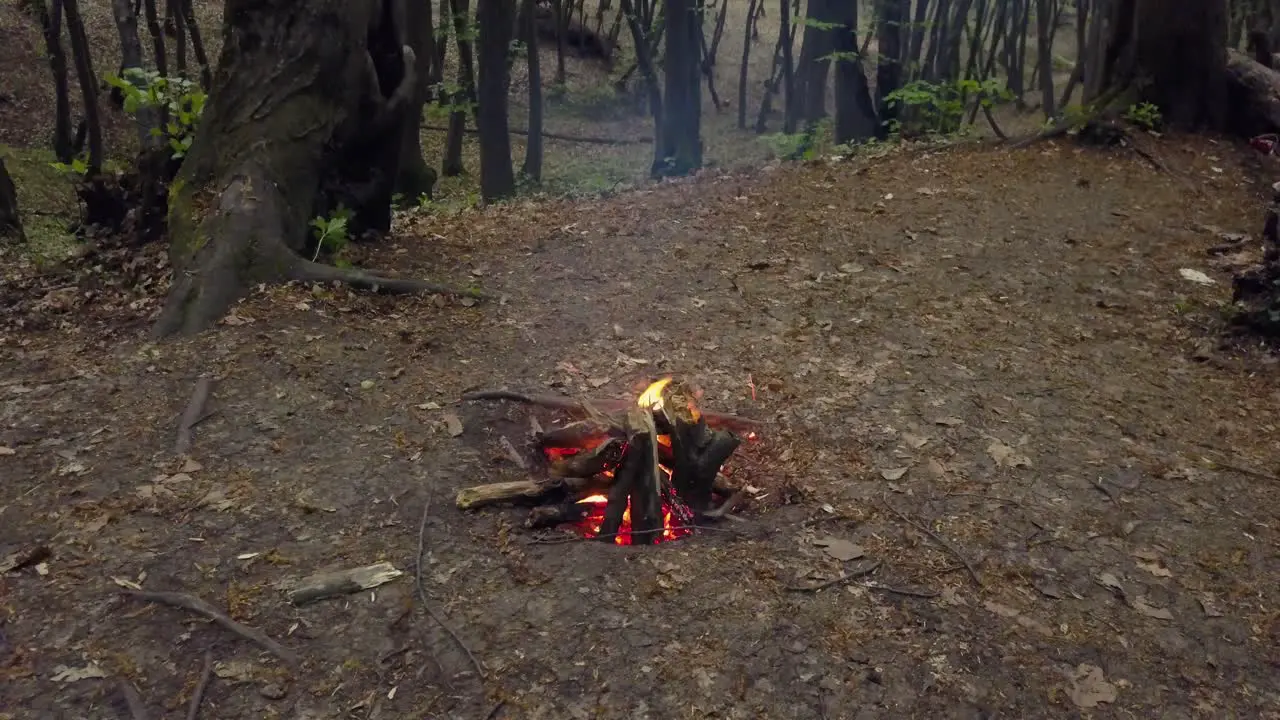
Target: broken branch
(342, 582)
(422, 591)
(193, 709)
(860, 572)
(200, 607)
(973, 572)
(192, 415)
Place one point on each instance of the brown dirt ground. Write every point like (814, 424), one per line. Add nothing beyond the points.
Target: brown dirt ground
(1010, 327)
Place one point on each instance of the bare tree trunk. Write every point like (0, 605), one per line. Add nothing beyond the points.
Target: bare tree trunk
(1082, 46)
(890, 17)
(680, 132)
(1171, 56)
(159, 54)
(1044, 51)
(496, 19)
(80, 55)
(790, 97)
(10, 219)
(645, 62)
(415, 178)
(174, 25)
(855, 113)
(558, 18)
(51, 27)
(197, 43)
(744, 68)
(532, 168)
(309, 98)
(465, 95)
(815, 63)
(146, 118)
(913, 62)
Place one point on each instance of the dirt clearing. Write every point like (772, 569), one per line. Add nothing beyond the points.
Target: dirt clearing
(982, 370)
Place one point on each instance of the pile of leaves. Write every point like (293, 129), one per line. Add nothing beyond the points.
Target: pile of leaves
(1257, 289)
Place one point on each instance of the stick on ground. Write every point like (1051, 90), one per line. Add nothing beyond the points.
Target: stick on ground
(860, 572)
(192, 415)
(200, 607)
(973, 572)
(137, 708)
(422, 591)
(193, 709)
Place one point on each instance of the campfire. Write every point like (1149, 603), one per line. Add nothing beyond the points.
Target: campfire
(637, 472)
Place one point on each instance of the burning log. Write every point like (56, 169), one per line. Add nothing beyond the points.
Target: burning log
(639, 477)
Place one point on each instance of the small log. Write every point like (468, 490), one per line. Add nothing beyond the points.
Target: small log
(545, 516)
(342, 582)
(646, 494)
(619, 494)
(584, 434)
(588, 463)
(481, 495)
(698, 454)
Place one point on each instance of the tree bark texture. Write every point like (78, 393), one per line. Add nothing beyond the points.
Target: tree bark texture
(415, 178)
(496, 19)
(10, 220)
(855, 113)
(304, 115)
(532, 168)
(891, 16)
(681, 126)
(1172, 55)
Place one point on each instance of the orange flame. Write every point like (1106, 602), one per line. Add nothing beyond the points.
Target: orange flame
(590, 525)
(651, 398)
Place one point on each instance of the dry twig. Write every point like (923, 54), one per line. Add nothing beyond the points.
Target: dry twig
(137, 708)
(193, 708)
(860, 572)
(422, 592)
(192, 415)
(973, 572)
(200, 607)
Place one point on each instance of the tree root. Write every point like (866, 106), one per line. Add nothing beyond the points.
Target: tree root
(200, 607)
(308, 271)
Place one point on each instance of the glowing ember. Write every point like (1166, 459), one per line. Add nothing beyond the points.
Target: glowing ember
(651, 398)
(676, 519)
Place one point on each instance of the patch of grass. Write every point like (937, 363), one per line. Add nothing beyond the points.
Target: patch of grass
(46, 200)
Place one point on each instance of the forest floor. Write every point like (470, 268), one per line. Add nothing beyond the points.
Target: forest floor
(983, 367)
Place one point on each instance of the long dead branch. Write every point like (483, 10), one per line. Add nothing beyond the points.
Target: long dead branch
(580, 407)
(422, 591)
(192, 415)
(200, 607)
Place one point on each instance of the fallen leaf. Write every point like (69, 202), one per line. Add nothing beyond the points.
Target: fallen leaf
(1110, 582)
(7, 450)
(64, 674)
(1156, 569)
(948, 421)
(894, 473)
(1089, 687)
(453, 424)
(597, 381)
(429, 406)
(467, 302)
(190, 466)
(841, 550)
(915, 442)
(1005, 456)
(1195, 276)
(366, 384)
(1018, 617)
(1142, 605)
(125, 583)
(239, 670)
(1209, 604)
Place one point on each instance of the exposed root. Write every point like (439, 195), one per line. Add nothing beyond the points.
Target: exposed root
(200, 607)
(317, 272)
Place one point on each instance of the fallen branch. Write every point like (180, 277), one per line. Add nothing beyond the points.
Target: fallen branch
(714, 419)
(973, 572)
(558, 136)
(900, 591)
(307, 271)
(200, 607)
(422, 591)
(193, 708)
(137, 708)
(342, 582)
(192, 415)
(860, 572)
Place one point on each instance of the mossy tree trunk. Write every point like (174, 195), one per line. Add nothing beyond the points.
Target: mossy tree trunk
(305, 114)
(1172, 55)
